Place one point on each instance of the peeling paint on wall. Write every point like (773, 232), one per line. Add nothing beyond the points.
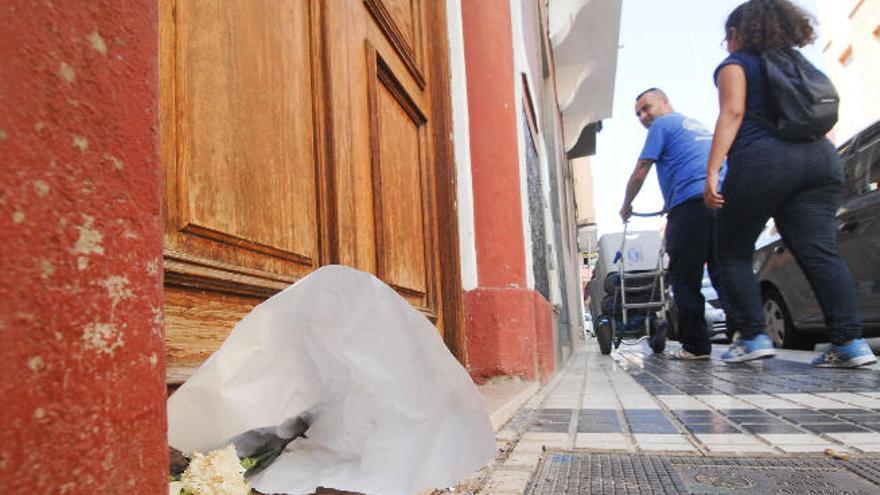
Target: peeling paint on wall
(80, 142)
(66, 72)
(35, 363)
(90, 240)
(102, 337)
(153, 268)
(117, 163)
(46, 269)
(41, 187)
(117, 289)
(98, 43)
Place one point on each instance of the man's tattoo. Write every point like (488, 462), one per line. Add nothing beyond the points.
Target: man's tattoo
(644, 163)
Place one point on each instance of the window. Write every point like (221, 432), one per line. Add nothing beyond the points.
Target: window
(862, 168)
(870, 154)
(846, 57)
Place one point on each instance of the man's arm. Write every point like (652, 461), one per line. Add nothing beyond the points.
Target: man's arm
(634, 185)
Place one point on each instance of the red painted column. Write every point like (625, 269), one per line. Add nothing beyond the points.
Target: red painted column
(81, 336)
(488, 48)
(502, 326)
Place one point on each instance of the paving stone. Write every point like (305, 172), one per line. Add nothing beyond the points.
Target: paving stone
(739, 449)
(727, 439)
(853, 438)
(771, 429)
(676, 402)
(867, 447)
(792, 438)
(507, 481)
(523, 459)
(718, 428)
(797, 448)
(549, 440)
(724, 402)
(834, 428)
(610, 441)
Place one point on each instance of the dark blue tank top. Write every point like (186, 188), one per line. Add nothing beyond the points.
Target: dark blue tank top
(752, 127)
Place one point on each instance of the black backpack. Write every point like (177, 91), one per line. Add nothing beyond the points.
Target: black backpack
(802, 102)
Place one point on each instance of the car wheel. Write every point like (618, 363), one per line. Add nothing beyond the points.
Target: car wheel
(779, 326)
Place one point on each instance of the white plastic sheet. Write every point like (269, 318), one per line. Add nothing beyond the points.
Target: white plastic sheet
(392, 411)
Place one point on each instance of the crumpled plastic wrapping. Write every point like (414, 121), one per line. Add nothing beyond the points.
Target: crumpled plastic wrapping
(390, 410)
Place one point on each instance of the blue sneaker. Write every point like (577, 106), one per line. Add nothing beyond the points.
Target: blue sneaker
(760, 347)
(855, 353)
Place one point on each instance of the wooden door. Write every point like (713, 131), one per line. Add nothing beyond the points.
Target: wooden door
(295, 134)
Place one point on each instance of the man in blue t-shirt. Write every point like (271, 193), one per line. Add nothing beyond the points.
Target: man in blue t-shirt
(680, 147)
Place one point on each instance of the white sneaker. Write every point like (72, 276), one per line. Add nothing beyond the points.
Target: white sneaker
(682, 355)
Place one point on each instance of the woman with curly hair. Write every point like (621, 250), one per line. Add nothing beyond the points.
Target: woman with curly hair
(798, 184)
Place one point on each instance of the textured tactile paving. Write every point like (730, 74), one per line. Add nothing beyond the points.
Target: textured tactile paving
(578, 472)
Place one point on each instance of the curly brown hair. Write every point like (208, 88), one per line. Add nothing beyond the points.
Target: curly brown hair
(764, 25)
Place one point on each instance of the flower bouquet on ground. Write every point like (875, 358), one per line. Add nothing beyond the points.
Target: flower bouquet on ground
(222, 471)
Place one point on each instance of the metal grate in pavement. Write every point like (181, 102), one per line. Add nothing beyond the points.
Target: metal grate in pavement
(580, 472)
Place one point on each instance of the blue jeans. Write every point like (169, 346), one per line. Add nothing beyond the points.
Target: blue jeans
(799, 185)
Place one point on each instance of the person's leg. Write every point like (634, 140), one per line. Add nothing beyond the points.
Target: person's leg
(808, 227)
(808, 224)
(758, 178)
(736, 231)
(732, 320)
(686, 241)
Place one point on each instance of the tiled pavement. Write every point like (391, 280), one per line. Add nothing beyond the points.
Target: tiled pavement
(636, 403)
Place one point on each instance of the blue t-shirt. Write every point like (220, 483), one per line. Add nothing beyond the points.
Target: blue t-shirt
(680, 146)
(752, 127)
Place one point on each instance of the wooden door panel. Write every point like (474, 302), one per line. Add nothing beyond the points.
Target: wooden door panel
(196, 323)
(401, 24)
(240, 140)
(246, 168)
(401, 206)
(391, 119)
(240, 111)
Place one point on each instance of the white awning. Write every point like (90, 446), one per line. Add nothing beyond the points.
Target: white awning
(584, 34)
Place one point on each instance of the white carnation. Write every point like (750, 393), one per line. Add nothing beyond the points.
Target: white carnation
(218, 473)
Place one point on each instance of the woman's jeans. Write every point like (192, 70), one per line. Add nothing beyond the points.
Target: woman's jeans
(800, 186)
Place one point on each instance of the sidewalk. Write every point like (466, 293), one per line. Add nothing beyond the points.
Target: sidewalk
(633, 422)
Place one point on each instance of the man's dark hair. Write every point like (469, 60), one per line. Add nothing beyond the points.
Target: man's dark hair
(659, 92)
(764, 25)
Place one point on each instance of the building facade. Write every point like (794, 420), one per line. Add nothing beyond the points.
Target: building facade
(169, 165)
(850, 40)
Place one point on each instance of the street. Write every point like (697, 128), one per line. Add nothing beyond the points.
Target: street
(634, 422)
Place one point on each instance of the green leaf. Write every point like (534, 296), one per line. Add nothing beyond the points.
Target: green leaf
(248, 462)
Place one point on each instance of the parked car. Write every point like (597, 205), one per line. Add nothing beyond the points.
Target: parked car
(793, 316)
(716, 320)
